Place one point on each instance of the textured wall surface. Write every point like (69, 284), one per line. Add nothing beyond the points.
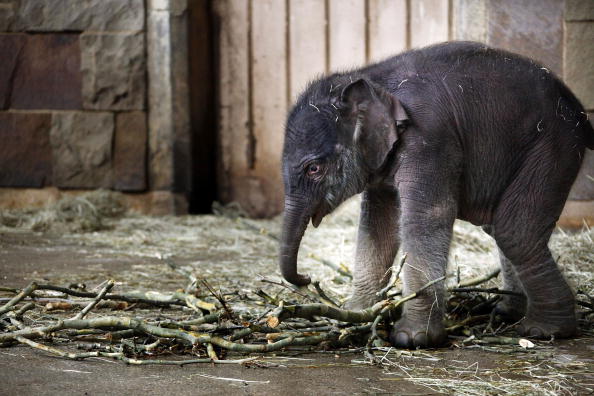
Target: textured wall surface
(69, 69)
(269, 50)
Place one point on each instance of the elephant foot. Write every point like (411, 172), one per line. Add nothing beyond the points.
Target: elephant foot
(361, 302)
(511, 308)
(545, 328)
(410, 335)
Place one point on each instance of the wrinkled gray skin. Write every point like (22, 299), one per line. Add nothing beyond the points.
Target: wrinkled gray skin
(451, 131)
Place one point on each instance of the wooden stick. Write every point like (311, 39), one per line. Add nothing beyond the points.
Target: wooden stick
(120, 356)
(493, 290)
(100, 296)
(480, 279)
(16, 299)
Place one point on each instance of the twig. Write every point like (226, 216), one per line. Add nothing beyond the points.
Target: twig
(218, 297)
(323, 296)
(267, 297)
(106, 322)
(211, 318)
(55, 351)
(16, 299)
(138, 362)
(480, 279)
(384, 292)
(211, 352)
(493, 290)
(297, 290)
(367, 315)
(500, 340)
(101, 294)
(27, 307)
(341, 270)
(467, 321)
(308, 311)
(62, 304)
(162, 299)
(183, 336)
(120, 356)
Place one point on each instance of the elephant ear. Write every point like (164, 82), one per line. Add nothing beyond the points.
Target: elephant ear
(374, 118)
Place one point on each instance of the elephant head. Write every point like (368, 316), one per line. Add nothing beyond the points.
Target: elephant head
(338, 137)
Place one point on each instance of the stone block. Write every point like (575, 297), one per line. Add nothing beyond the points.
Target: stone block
(579, 10)
(113, 71)
(11, 47)
(578, 61)
(81, 149)
(129, 157)
(533, 28)
(47, 74)
(25, 152)
(76, 15)
(7, 15)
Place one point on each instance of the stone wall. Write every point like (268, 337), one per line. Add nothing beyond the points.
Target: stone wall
(75, 96)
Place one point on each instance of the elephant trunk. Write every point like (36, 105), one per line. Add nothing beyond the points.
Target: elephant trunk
(294, 225)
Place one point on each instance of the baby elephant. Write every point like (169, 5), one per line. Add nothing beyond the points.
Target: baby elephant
(453, 131)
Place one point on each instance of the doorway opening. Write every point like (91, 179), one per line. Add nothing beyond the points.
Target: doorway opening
(203, 191)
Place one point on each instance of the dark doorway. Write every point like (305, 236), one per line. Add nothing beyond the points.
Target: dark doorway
(202, 106)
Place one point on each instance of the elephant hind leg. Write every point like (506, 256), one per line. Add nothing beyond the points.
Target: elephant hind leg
(511, 308)
(523, 224)
(549, 305)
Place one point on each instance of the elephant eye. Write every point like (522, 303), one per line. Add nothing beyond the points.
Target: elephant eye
(313, 169)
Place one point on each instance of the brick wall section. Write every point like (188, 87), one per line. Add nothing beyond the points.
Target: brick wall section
(73, 95)
(25, 151)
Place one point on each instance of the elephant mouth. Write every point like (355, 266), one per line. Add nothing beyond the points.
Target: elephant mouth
(318, 215)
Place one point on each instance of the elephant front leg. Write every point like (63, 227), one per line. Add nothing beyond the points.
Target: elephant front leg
(426, 231)
(377, 244)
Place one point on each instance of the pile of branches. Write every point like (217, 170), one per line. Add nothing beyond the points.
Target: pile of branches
(214, 331)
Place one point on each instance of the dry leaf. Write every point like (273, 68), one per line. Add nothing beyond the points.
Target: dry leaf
(53, 306)
(272, 321)
(526, 344)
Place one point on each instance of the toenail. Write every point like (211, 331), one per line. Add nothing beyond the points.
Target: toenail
(420, 339)
(535, 332)
(402, 338)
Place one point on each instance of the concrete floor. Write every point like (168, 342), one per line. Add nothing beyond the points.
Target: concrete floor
(24, 371)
